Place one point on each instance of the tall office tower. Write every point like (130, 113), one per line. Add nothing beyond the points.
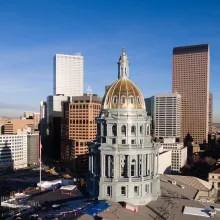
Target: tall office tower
(210, 112)
(167, 115)
(191, 80)
(167, 120)
(68, 75)
(43, 119)
(78, 128)
(54, 116)
(149, 103)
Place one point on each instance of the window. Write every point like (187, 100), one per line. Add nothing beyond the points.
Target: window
(132, 100)
(148, 130)
(132, 141)
(141, 141)
(218, 185)
(123, 99)
(114, 130)
(141, 129)
(123, 129)
(136, 190)
(113, 141)
(132, 168)
(115, 99)
(133, 129)
(123, 141)
(108, 190)
(138, 100)
(123, 191)
(107, 100)
(147, 188)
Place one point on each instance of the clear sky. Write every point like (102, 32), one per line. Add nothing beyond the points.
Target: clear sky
(33, 31)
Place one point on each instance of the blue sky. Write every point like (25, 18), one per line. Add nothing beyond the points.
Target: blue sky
(32, 32)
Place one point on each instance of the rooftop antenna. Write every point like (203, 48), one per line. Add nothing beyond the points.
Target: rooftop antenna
(89, 93)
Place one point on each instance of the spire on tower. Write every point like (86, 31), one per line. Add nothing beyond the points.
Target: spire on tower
(123, 65)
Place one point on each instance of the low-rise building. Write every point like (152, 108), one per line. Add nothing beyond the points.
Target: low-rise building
(179, 153)
(214, 179)
(164, 162)
(13, 151)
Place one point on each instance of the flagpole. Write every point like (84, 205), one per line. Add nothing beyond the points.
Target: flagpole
(40, 158)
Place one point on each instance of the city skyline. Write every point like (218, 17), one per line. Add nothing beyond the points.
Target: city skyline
(26, 68)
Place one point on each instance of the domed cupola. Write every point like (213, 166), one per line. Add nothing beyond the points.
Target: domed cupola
(123, 93)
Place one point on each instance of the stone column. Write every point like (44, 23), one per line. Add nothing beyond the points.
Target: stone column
(128, 164)
(146, 165)
(137, 166)
(157, 163)
(109, 165)
(92, 163)
(142, 166)
(103, 166)
(119, 162)
(153, 165)
(150, 167)
(115, 166)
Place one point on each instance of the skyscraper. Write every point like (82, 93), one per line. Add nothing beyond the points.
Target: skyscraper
(167, 115)
(210, 112)
(78, 128)
(68, 75)
(191, 80)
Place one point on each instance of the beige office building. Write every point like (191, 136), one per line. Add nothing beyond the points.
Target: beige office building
(191, 80)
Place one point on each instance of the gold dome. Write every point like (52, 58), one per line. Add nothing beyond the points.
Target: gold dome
(123, 94)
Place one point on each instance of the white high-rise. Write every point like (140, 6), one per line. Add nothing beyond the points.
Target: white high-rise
(167, 119)
(167, 115)
(68, 75)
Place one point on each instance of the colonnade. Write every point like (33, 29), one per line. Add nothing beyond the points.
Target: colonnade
(126, 166)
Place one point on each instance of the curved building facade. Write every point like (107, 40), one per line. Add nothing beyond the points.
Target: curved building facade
(123, 161)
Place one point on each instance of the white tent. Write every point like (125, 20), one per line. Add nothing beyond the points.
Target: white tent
(68, 187)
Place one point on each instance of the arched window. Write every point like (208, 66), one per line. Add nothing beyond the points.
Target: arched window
(123, 99)
(133, 168)
(114, 130)
(141, 129)
(131, 99)
(115, 99)
(123, 129)
(133, 129)
(148, 130)
(107, 100)
(138, 100)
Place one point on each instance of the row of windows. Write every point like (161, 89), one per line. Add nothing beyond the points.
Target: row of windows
(85, 106)
(124, 193)
(123, 100)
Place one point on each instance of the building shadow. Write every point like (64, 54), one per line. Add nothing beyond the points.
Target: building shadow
(6, 160)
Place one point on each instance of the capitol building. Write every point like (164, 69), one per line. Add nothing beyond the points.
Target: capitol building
(123, 161)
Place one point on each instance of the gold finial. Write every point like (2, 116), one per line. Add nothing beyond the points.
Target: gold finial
(123, 49)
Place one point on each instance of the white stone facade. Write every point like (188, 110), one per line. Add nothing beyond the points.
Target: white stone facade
(68, 75)
(13, 151)
(122, 160)
(164, 166)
